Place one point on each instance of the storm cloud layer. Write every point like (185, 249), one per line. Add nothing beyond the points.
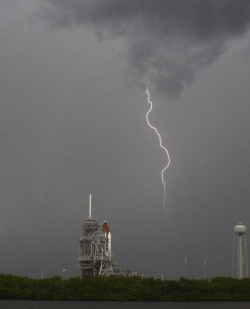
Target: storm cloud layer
(174, 37)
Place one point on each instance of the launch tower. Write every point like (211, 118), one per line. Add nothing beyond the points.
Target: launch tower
(95, 257)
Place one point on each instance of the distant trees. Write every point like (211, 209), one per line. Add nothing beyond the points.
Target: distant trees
(124, 289)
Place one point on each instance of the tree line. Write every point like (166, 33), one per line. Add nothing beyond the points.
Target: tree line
(124, 289)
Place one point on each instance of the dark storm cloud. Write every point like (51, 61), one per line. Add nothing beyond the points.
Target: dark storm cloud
(174, 37)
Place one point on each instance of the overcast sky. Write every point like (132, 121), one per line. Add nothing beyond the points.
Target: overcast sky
(73, 78)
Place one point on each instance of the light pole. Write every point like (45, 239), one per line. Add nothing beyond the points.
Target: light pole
(64, 273)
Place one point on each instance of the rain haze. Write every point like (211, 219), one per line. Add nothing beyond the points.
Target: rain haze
(73, 78)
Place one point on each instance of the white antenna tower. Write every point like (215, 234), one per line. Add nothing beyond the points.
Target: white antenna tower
(186, 267)
(205, 268)
(90, 206)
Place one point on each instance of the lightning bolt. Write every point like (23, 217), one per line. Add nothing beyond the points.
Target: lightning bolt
(164, 148)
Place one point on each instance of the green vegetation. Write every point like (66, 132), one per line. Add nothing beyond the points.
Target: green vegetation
(124, 289)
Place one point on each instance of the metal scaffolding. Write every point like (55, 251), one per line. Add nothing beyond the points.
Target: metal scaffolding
(95, 258)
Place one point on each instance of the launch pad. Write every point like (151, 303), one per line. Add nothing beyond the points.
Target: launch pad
(95, 258)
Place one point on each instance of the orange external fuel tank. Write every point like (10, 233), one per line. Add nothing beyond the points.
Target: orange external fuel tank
(105, 228)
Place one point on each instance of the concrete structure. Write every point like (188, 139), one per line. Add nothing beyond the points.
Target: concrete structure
(241, 252)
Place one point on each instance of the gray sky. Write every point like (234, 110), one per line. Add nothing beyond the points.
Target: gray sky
(73, 77)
